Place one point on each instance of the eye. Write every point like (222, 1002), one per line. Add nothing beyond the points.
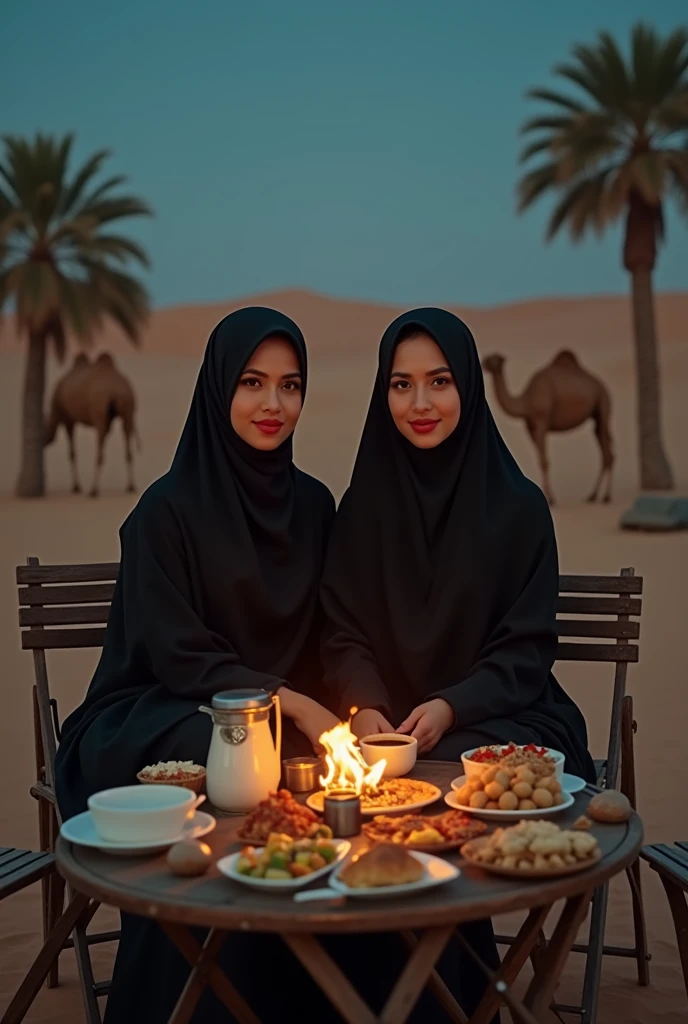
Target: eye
(400, 385)
(251, 382)
(441, 381)
(292, 385)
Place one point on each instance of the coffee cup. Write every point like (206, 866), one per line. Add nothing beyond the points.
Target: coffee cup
(399, 752)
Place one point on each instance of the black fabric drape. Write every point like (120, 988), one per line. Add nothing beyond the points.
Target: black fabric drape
(442, 572)
(217, 589)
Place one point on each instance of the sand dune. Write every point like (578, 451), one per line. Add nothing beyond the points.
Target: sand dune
(342, 338)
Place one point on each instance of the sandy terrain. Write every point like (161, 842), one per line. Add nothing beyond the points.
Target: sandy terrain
(342, 338)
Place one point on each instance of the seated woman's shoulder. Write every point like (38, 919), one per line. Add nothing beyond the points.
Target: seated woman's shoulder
(531, 501)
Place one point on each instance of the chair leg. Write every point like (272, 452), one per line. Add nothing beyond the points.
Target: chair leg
(639, 928)
(679, 913)
(30, 987)
(56, 899)
(593, 961)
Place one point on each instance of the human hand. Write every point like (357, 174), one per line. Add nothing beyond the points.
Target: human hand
(428, 723)
(312, 719)
(370, 722)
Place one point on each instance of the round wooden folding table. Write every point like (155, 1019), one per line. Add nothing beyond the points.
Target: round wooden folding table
(145, 886)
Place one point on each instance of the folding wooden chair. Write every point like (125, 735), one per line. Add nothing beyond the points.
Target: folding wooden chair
(19, 869)
(614, 603)
(671, 864)
(61, 607)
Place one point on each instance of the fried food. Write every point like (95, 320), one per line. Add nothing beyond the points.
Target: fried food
(513, 784)
(535, 846)
(281, 813)
(382, 866)
(418, 830)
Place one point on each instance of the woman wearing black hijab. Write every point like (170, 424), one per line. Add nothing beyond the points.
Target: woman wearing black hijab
(217, 590)
(442, 575)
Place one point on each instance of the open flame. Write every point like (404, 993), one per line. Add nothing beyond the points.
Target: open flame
(346, 768)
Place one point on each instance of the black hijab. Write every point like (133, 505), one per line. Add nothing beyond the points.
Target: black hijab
(218, 580)
(442, 573)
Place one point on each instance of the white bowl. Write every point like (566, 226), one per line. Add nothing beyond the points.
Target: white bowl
(141, 813)
(400, 757)
(476, 767)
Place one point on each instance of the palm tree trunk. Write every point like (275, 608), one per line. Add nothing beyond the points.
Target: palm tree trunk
(655, 471)
(31, 482)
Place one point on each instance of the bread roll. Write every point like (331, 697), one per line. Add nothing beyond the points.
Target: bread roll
(609, 806)
(381, 866)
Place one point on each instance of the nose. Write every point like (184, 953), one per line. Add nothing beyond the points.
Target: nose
(271, 402)
(421, 399)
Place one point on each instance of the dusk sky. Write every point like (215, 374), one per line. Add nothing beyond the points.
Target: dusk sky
(366, 150)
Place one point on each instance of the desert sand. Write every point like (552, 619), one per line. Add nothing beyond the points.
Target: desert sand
(343, 337)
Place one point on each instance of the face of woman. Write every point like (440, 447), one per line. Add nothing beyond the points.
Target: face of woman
(423, 396)
(268, 398)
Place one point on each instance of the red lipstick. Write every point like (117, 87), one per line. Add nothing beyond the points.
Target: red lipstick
(424, 426)
(269, 426)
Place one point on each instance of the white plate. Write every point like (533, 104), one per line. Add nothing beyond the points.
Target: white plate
(227, 867)
(372, 811)
(81, 831)
(539, 812)
(569, 783)
(437, 872)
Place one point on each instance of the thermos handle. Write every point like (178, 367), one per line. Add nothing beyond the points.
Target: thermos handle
(278, 725)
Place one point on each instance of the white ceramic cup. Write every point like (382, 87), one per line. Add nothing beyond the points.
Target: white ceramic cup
(400, 758)
(471, 768)
(133, 814)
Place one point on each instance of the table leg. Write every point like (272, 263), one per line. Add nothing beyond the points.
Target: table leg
(205, 972)
(334, 983)
(551, 962)
(439, 989)
(415, 975)
(512, 964)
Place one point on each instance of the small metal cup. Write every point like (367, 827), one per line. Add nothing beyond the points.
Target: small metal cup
(301, 773)
(342, 812)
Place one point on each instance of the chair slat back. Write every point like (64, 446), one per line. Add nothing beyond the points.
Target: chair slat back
(614, 600)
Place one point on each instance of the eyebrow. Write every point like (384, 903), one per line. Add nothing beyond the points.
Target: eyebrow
(259, 373)
(430, 373)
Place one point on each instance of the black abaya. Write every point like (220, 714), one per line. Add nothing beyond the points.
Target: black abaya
(442, 574)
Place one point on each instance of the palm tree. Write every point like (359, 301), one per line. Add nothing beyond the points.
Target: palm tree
(60, 267)
(619, 148)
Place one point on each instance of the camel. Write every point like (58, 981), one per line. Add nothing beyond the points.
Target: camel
(93, 394)
(560, 396)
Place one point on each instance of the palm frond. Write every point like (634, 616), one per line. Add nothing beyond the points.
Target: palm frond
(534, 184)
(82, 178)
(105, 210)
(117, 247)
(579, 208)
(36, 293)
(543, 123)
(537, 146)
(557, 99)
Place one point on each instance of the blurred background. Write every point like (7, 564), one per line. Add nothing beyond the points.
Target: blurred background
(523, 165)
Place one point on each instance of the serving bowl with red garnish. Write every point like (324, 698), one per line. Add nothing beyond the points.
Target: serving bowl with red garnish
(475, 760)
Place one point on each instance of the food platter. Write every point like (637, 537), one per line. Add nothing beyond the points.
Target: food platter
(436, 872)
(227, 866)
(427, 794)
(397, 830)
(469, 849)
(499, 815)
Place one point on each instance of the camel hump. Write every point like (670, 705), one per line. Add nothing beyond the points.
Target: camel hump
(566, 358)
(105, 359)
(81, 360)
